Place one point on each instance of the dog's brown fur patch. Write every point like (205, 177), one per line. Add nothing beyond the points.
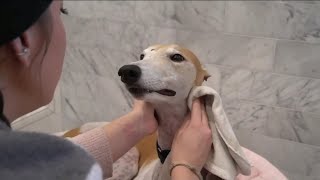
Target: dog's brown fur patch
(202, 74)
(72, 133)
(147, 150)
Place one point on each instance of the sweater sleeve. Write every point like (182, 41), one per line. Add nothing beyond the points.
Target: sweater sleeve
(96, 143)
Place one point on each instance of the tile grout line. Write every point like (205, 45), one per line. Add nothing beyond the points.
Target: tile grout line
(273, 106)
(208, 63)
(175, 27)
(261, 71)
(274, 56)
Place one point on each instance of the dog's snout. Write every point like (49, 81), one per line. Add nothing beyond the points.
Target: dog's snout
(130, 74)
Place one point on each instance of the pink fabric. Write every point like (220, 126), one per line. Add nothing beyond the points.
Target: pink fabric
(96, 143)
(261, 168)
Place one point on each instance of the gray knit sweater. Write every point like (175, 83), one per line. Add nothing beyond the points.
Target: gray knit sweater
(37, 156)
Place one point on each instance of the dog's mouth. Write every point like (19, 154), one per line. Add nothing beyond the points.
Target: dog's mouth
(139, 91)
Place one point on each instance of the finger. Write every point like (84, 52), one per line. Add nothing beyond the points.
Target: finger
(196, 112)
(137, 103)
(186, 121)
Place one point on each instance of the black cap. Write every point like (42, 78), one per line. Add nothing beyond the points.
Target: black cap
(16, 16)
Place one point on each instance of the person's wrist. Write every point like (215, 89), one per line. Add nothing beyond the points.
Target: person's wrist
(139, 125)
(183, 172)
(180, 160)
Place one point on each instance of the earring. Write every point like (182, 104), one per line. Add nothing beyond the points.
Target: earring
(24, 51)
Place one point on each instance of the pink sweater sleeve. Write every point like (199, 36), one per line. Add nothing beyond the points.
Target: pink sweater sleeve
(96, 143)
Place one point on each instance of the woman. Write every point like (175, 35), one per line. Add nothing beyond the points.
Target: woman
(32, 49)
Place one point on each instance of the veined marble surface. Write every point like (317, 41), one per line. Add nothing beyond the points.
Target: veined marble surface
(277, 19)
(285, 91)
(296, 158)
(114, 35)
(299, 59)
(264, 57)
(274, 122)
(203, 16)
(112, 10)
(229, 50)
(274, 105)
(92, 90)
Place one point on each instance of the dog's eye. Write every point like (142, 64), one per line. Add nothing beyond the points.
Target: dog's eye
(141, 56)
(177, 58)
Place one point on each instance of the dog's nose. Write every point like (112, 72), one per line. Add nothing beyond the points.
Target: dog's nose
(130, 74)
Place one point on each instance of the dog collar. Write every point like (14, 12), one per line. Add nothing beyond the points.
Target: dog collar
(162, 154)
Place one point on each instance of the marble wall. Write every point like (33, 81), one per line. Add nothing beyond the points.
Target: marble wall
(265, 58)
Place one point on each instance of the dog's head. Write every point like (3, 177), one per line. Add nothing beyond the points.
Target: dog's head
(165, 73)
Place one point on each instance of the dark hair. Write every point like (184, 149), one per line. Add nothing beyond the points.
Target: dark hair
(17, 16)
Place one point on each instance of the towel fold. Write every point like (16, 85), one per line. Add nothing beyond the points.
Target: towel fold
(226, 159)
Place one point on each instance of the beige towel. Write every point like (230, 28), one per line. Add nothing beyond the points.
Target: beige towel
(227, 158)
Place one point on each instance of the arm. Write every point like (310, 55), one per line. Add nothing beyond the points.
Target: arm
(191, 145)
(181, 172)
(126, 132)
(108, 143)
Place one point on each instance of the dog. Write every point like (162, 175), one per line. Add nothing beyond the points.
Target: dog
(163, 77)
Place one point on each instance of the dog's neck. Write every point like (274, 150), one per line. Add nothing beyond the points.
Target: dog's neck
(170, 118)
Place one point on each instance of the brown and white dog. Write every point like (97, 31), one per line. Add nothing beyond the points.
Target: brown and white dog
(164, 77)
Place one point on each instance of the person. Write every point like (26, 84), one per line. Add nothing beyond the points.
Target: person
(32, 49)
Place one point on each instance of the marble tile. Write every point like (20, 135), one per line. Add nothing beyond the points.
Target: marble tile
(82, 59)
(246, 116)
(114, 35)
(92, 98)
(91, 88)
(240, 16)
(306, 126)
(284, 20)
(96, 60)
(235, 83)
(204, 16)
(271, 89)
(297, 176)
(228, 50)
(200, 15)
(83, 31)
(300, 59)
(214, 81)
(112, 10)
(160, 13)
(137, 37)
(274, 122)
(297, 93)
(294, 157)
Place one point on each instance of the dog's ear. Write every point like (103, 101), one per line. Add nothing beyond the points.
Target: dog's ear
(202, 76)
(206, 75)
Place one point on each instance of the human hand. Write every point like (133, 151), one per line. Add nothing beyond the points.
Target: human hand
(146, 120)
(193, 141)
